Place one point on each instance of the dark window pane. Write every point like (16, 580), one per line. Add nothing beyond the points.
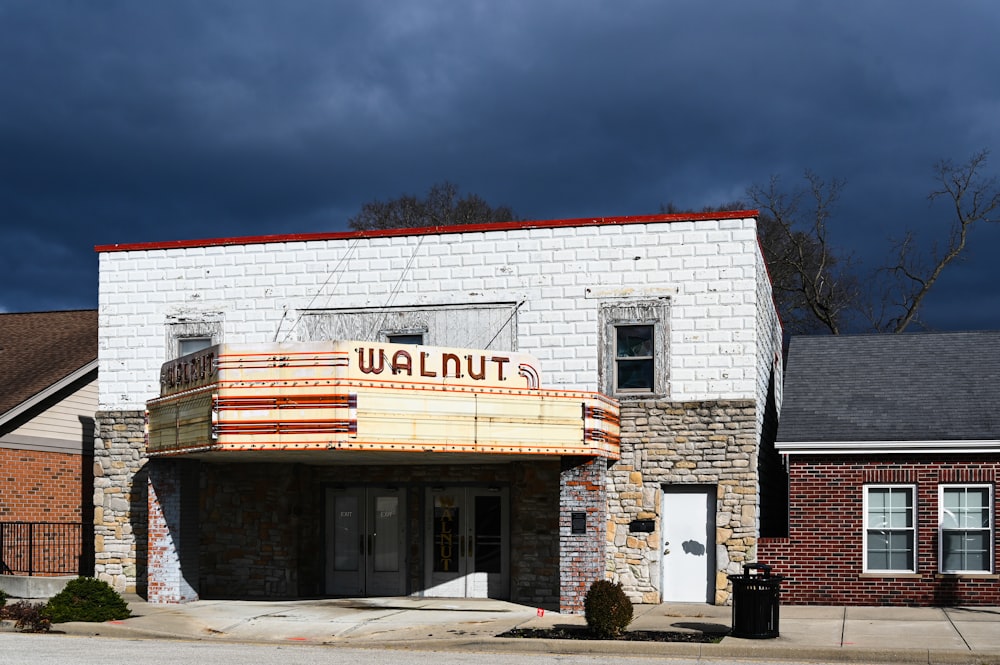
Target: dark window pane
(634, 341)
(346, 554)
(402, 338)
(635, 375)
(488, 534)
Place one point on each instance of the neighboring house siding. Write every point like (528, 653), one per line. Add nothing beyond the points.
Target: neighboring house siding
(65, 426)
(46, 461)
(823, 555)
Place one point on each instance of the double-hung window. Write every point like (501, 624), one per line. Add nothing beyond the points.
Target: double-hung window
(966, 528)
(634, 368)
(890, 534)
(633, 349)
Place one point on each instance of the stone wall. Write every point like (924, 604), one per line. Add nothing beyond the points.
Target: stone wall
(120, 500)
(261, 525)
(670, 443)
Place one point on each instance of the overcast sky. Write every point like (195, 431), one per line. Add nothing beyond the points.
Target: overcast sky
(138, 120)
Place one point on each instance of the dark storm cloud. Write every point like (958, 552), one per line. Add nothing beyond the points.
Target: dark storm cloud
(136, 121)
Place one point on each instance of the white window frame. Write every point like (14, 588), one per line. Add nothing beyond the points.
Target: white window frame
(989, 529)
(869, 528)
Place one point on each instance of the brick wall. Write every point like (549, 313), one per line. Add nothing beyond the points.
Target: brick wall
(723, 335)
(42, 486)
(581, 561)
(560, 276)
(823, 554)
(261, 525)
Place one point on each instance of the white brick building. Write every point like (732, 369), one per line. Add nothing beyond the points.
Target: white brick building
(698, 384)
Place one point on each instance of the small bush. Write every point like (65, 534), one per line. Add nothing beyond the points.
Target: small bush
(87, 599)
(27, 617)
(3, 598)
(607, 609)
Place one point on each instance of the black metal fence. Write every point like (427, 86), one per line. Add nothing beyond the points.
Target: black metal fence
(41, 548)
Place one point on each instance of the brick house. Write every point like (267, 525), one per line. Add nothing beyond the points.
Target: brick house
(509, 410)
(892, 444)
(48, 370)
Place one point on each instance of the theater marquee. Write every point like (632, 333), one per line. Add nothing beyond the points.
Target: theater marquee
(365, 396)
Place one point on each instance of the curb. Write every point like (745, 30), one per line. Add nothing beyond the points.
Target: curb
(491, 644)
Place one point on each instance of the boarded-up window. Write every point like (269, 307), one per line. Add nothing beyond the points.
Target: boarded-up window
(484, 326)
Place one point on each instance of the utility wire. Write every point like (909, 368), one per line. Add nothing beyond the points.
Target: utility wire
(395, 289)
(347, 254)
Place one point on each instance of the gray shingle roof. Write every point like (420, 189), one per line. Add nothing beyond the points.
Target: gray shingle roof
(919, 387)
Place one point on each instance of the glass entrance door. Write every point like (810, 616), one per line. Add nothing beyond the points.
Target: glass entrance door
(364, 542)
(467, 544)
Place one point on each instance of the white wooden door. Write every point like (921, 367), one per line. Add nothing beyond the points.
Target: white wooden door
(688, 563)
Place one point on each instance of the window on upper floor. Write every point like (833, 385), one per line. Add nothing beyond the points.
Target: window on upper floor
(966, 528)
(890, 533)
(187, 336)
(633, 348)
(634, 362)
(405, 338)
(186, 345)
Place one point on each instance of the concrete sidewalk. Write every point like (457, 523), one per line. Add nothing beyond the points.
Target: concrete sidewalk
(827, 634)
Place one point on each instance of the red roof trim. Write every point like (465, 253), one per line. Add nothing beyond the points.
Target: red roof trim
(429, 230)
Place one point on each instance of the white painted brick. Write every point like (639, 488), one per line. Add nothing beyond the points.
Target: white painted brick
(549, 268)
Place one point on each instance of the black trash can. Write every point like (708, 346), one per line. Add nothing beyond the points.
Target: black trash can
(755, 602)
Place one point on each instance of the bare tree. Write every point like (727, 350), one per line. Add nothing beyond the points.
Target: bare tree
(815, 286)
(441, 207)
(972, 198)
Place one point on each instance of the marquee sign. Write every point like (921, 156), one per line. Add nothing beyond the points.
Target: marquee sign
(347, 395)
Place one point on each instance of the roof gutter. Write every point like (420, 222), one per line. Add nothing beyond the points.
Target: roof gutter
(888, 447)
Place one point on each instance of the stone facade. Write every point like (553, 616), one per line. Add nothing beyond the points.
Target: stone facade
(260, 526)
(718, 366)
(120, 510)
(669, 443)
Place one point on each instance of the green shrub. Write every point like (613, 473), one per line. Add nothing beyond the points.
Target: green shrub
(607, 609)
(27, 617)
(86, 599)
